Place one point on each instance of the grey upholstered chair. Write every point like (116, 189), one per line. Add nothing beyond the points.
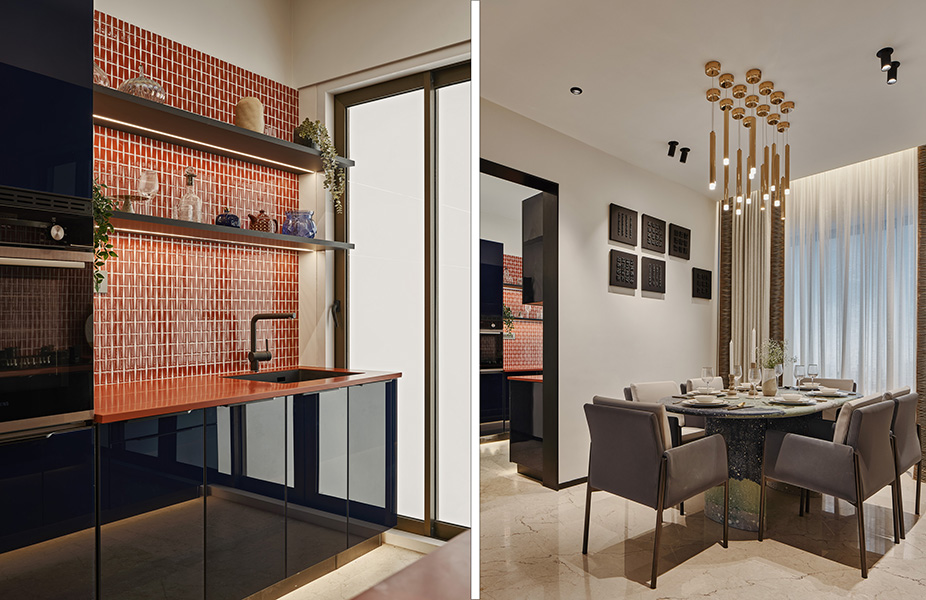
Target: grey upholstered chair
(631, 456)
(898, 392)
(852, 471)
(691, 427)
(846, 385)
(907, 449)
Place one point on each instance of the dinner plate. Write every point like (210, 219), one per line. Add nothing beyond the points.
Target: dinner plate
(801, 402)
(836, 394)
(808, 387)
(717, 393)
(716, 403)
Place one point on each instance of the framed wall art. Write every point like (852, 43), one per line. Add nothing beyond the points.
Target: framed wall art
(679, 241)
(623, 270)
(622, 225)
(652, 275)
(653, 234)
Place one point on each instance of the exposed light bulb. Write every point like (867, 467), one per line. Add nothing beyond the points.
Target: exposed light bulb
(765, 196)
(772, 187)
(712, 185)
(739, 199)
(726, 161)
(777, 203)
(749, 200)
(752, 173)
(762, 207)
(726, 207)
(739, 211)
(787, 191)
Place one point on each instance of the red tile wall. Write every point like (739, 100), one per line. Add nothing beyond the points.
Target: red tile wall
(526, 349)
(183, 307)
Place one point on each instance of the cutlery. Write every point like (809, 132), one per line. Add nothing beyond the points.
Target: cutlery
(738, 406)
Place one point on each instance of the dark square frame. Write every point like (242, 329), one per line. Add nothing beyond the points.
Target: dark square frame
(622, 225)
(679, 241)
(622, 270)
(701, 283)
(653, 234)
(652, 275)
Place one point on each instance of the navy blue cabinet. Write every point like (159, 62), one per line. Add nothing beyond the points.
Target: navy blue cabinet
(47, 517)
(491, 271)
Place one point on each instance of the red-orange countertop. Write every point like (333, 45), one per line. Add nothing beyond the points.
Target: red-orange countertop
(521, 369)
(120, 402)
(528, 378)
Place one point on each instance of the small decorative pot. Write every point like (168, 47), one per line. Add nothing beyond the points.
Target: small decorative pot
(299, 222)
(228, 219)
(769, 382)
(263, 222)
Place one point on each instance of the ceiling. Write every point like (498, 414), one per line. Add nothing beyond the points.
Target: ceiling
(641, 65)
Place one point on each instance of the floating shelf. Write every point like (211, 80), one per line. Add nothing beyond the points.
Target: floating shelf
(526, 319)
(124, 112)
(511, 286)
(146, 224)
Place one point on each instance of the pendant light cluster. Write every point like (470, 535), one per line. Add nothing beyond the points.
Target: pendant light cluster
(753, 104)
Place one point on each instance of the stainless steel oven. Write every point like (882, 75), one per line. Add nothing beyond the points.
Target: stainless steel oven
(46, 301)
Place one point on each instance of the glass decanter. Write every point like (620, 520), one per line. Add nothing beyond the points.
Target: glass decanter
(190, 207)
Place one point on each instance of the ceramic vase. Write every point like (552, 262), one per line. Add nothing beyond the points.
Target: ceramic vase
(769, 382)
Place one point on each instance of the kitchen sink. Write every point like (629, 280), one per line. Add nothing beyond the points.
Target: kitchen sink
(292, 375)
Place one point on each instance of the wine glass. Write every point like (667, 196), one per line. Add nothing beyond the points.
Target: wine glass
(779, 371)
(813, 369)
(147, 184)
(737, 373)
(755, 376)
(799, 374)
(707, 376)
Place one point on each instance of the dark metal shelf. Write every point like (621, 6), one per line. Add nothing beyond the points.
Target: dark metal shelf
(146, 224)
(124, 112)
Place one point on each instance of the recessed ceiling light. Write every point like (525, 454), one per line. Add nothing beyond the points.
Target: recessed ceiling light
(575, 91)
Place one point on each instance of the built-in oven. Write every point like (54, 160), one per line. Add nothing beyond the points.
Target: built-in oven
(46, 304)
(491, 345)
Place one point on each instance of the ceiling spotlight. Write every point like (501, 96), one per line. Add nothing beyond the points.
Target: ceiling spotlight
(672, 146)
(892, 73)
(885, 55)
(684, 157)
(575, 91)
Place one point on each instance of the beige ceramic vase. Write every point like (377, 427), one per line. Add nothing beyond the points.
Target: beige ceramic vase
(249, 114)
(769, 382)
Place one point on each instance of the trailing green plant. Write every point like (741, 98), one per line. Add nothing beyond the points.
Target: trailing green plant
(335, 176)
(508, 319)
(103, 207)
(774, 352)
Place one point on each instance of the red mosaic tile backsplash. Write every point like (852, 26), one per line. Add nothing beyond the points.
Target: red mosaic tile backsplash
(194, 81)
(526, 349)
(183, 307)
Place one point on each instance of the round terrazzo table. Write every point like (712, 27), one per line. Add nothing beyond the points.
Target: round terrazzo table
(744, 432)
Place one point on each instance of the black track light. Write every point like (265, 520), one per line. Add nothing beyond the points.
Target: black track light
(885, 55)
(672, 146)
(575, 91)
(684, 157)
(892, 73)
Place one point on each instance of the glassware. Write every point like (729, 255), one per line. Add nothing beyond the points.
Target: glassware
(299, 222)
(99, 76)
(779, 371)
(813, 369)
(799, 374)
(737, 374)
(707, 376)
(147, 186)
(144, 87)
(755, 377)
(190, 207)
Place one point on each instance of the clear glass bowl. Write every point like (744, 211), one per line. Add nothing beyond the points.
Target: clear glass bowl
(144, 87)
(99, 76)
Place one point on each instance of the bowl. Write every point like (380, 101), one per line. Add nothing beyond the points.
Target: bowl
(792, 397)
(705, 399)
(705, 390)
(827, 391)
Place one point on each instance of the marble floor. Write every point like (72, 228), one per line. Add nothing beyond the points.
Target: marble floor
(531, 545)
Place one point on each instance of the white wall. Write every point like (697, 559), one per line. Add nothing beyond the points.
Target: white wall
(253, 34)
(500, 211)
(326, 47)
(608, 340)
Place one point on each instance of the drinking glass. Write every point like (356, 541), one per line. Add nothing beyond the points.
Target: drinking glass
(737, 373)
(779, 371)
(755, 377)
(147, 184)
(799, 374)
(707, 375)
(813, 369)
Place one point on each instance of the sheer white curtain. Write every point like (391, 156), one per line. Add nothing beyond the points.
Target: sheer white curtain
(850, 271)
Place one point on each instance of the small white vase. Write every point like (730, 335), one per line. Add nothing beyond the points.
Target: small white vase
(769, 382)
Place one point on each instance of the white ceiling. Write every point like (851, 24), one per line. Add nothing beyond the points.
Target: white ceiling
(641, 65)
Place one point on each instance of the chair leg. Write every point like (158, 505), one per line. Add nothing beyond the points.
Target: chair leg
(800, 511)
(660, 502)
(726, 513)
(807, 502)
(860, 514)
(898, 511)
(588, 512)
(762, 510)
(681, 508)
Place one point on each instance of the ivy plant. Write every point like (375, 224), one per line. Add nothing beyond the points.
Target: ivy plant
(335, 176)
(103, 207)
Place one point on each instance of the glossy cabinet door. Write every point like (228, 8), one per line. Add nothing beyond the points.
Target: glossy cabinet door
(47, 520)
(151, 507)
(246, 471)
(371, 461)
(316, 508)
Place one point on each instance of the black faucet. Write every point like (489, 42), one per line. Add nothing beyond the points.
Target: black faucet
(255, 357)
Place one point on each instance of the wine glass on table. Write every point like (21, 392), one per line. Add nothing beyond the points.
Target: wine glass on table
(813, 369)
(755, 377)
(799, 373)
(707, 377)
(779, 371)
(736, 374)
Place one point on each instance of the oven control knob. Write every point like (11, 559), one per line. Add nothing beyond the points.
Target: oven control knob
(56, 232)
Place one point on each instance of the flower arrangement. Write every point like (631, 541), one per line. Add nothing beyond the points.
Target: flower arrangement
(335, 176)
(103, 207)
(774, 352)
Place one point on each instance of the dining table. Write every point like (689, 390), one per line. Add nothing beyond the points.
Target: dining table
(743, 420)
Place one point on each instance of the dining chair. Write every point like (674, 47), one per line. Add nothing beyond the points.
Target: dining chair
(905, 432)
(898, 392)
(631, 455)
(696, 382)
(690, 427)
(846, 385)
(853, 470)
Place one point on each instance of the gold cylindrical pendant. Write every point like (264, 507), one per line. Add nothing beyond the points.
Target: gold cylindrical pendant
(739, 174)
(726, 137)
(752, 143)
(713, 179)
(788, 167)
(774, 167)
(765, 173)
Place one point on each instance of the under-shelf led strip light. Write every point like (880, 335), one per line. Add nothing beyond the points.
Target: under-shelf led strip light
(203, 144)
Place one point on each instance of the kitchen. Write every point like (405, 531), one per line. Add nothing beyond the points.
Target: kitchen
(125, 429)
